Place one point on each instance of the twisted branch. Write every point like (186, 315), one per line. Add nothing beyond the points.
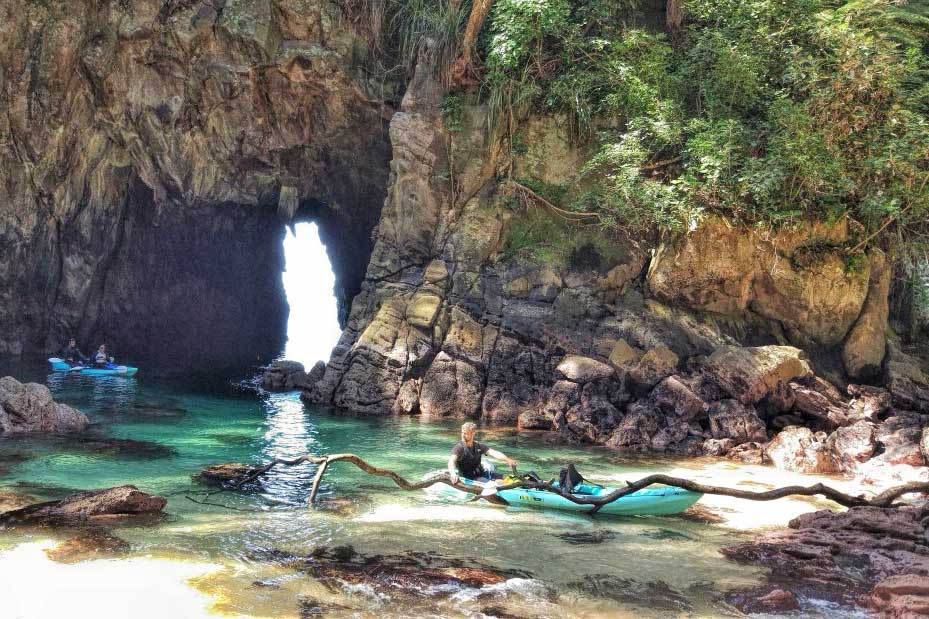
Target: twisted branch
(884, 499)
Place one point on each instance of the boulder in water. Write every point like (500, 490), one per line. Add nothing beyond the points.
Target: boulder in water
(225, 474)
(283, 375)
(29, 408)
(94, 506)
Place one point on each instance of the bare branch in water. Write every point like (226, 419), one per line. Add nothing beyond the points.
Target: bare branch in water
(884, 499)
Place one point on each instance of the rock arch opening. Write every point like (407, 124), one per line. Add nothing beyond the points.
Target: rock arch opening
(309, 282)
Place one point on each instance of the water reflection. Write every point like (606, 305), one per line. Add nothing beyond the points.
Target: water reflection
(289, 434)
(105, 394)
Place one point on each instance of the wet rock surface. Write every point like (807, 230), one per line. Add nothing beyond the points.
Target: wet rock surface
(655, 594)
(224, 475)
(285, 375)
(29, 409)
(116, 504)
(844, 558)
(411, 572)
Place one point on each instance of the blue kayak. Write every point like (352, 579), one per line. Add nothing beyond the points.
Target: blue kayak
(60, 365)
(652, 501)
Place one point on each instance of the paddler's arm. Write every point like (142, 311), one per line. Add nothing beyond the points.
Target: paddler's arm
(453, 468)
(499, 455)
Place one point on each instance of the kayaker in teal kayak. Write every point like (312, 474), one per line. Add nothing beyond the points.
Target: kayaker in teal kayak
(101, 360)
(72, 354)
(465, 460)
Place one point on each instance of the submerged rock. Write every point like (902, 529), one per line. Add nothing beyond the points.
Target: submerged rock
(119, 447)
(93, 544)
(29, 408)
(411, 572)
(94, 506)
(227, 474)
(655, 594)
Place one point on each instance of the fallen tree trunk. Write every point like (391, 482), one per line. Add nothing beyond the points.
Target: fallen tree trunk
(884, 499)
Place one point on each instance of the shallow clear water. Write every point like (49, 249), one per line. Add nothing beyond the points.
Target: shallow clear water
(638, 567)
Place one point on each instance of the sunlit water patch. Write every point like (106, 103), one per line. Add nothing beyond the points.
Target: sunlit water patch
(252, 554)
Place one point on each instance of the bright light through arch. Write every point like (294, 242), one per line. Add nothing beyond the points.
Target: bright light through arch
(313, 326)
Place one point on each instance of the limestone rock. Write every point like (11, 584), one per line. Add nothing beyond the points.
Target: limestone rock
(721, 268)
(283, 375)
(583, 369)
(821, 402)
(748, 453)
(797, 449)
(865, 345)
(867, 403)
(451, 388)
(623, 355)
(900, 436)
(636, 429)
(733, 420)
(591, 421)
(717, 446)
(749, 374)
(88, 507)
(653, 366)
(906, 381)
(29, 408)
(901, 597)
(865, 553)
(675, 398)
(852, 445)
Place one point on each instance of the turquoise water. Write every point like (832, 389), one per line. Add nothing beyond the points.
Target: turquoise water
(636, 567)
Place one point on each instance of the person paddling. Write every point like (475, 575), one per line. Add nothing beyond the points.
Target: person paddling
(465, 460)
(72, 354)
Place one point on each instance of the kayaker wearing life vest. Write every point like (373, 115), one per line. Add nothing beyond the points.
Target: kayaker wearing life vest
(466, 457)
(101, 359)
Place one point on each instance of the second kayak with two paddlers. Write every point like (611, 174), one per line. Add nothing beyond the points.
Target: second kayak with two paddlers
(60, 365)
(653, 501)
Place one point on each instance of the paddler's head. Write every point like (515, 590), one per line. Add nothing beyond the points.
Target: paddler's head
(468, 430)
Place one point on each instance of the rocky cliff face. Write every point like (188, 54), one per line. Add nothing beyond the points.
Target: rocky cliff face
(637, 345)
(151, 153)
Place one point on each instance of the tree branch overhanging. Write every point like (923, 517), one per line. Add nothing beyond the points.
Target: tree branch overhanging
(884, 499)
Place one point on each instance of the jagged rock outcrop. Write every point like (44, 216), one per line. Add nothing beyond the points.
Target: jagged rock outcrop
(866, 556)
(785, 275)
(29, 408)
(284, 375)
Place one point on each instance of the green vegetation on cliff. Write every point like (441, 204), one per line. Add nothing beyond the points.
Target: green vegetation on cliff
(766, 110)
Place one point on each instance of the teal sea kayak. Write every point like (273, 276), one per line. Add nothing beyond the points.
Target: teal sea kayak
(60, 365)
(652, 501)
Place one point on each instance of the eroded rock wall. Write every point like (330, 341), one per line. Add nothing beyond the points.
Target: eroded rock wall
(642, 346)
(151, 153)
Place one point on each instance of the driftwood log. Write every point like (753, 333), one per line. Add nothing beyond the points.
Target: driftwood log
(884, 499)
